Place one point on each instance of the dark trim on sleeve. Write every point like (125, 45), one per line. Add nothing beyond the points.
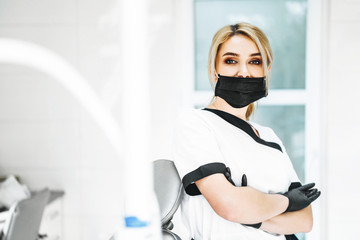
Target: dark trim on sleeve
(243, 125)
(256, 225)
(201, 172)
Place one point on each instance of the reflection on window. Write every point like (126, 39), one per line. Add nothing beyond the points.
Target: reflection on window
(284, 22)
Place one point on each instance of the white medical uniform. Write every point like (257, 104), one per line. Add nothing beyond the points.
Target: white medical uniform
(205, 144)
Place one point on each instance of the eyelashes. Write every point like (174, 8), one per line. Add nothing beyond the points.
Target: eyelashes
(256, 62)
(232, 61)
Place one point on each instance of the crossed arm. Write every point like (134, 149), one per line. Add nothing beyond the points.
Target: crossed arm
(248, 206)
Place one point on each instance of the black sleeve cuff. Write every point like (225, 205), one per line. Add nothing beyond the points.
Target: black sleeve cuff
(256, 225)
(201, 172)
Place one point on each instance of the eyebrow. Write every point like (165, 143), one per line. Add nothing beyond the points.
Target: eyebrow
(236, 55)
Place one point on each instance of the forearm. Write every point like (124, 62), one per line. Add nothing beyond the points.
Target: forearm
(259, 206)
(290, 222)
(240, 204)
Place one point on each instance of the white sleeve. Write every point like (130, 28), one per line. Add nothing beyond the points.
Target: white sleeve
(195, 150)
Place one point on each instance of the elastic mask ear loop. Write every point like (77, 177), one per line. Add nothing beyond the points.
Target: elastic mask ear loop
(215, 83)
(218, 78)
(266, 87)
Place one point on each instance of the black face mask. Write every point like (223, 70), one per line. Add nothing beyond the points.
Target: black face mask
(240, 92)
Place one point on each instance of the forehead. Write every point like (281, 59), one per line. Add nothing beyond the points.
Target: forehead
(239, 44)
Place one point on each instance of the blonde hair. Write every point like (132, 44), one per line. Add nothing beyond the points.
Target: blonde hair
(255, 34)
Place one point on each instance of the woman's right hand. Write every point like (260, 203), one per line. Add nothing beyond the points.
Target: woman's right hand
(301, 197)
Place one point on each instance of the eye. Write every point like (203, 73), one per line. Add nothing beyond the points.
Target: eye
(256, 61)
(230, 61)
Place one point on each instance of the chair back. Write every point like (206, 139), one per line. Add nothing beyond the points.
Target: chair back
(26, 215)
(169, 191)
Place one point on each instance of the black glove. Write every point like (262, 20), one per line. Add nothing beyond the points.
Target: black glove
(301, 197)
(228, 176)
(244, 184)
(244, 180)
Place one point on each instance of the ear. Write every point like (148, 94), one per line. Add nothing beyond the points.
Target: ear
(215, 76)
(269, 68)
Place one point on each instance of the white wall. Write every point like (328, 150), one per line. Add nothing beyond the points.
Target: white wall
(164, 87)
(46, 137)
(343, 120)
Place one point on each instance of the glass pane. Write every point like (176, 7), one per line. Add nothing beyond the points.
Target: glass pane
(284, 22)
(288, 122)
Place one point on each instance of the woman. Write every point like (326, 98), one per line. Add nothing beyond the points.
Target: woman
(238, 178)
